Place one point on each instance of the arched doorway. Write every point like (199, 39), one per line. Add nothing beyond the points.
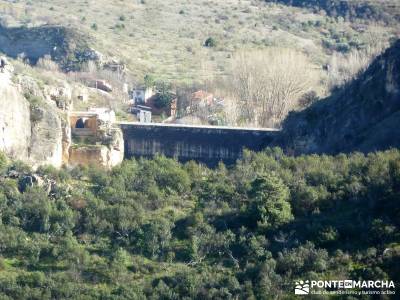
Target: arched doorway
(80, 123)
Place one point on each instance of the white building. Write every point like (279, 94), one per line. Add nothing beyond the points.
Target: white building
(139, 95)
(143, 113)
(104, 114)
(144, 116)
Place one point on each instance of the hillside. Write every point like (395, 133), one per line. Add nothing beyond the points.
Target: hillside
(167, 38)
(65, 46)
(90, 208)
(363, 115)
(387, 11)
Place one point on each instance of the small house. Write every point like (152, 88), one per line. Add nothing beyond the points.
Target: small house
(141, 94)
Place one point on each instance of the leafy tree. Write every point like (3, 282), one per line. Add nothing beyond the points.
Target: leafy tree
(156, 237)
(164, 96)
(269, 202)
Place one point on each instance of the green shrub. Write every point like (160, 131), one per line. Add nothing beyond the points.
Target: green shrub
(210, 42)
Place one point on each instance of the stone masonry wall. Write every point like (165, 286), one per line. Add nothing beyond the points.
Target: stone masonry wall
(204, 144)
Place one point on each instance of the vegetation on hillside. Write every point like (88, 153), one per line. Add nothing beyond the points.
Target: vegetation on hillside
(163, 230)
(387, 11)
(126, 41)
(66, 46)
(155, 37)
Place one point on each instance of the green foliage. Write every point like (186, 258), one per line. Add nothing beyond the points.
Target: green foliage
(270, 206)
(164, 96)
(3, 161)
(35, 102)
(149, 80)
(159, 229)
(210, 42)
(163, 100)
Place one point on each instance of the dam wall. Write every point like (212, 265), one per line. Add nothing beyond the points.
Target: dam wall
(207, 144)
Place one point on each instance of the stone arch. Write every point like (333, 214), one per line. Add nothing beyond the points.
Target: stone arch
(80, 123)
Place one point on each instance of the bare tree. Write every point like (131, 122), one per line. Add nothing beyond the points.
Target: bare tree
(267, 84)
(344, 67)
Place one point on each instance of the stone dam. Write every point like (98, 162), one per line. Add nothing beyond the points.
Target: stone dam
(207, 144)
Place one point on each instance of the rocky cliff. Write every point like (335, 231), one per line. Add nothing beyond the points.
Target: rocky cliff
(106, 152)
(64, 45)
(362, 116)
(35, 125)
(15, 125)
(31, 125)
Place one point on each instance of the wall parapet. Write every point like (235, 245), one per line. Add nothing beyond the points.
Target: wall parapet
(205, 144)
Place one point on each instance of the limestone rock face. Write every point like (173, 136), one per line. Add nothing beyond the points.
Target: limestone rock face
(35, 125)
(61, 94)
(116, 147)
(97, 155)
(15, 125)
(66, 140)
(46, 145)
(107, 155)
(27, 85)
(31, 130)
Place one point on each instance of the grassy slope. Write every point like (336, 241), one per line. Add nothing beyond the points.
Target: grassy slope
(166, 38)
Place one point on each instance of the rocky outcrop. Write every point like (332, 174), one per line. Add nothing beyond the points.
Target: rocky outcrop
(362, 116)
(95, 155)
(116, 147)
(64, 45)
(35, 125)
(66, 140)
(107, 152)
(60, 93)
(15, 125)
(32, 128)
(28, 180)
(46, 143)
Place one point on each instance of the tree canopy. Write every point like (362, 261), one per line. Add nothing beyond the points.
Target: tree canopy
(160, 229)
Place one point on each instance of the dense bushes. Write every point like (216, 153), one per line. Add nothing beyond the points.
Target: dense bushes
(163, 230)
